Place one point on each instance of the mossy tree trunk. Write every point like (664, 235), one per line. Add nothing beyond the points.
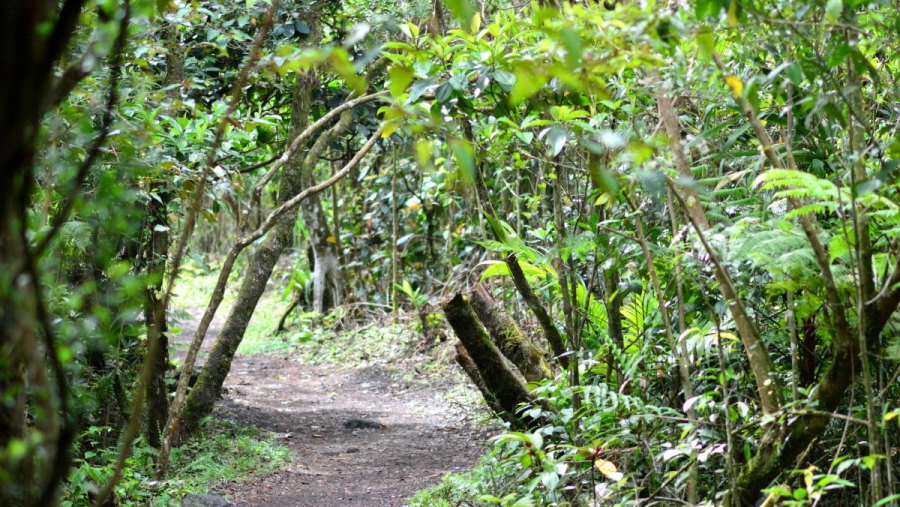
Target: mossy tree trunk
(465, 362)
(203, 396)
(509, 337)
(506, 387)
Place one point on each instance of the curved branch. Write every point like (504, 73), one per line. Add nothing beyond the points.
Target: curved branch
(304, 135)
(177, 407)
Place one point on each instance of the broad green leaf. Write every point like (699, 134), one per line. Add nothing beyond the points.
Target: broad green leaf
(400, 77)
(464, 156)
(833, 10)
(463, 11)
(706, 44)
(527, 84)
(556, 139)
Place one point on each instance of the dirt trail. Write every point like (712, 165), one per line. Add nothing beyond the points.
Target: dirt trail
(419, 434)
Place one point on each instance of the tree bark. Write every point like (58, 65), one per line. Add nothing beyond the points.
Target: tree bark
(327, 280)
(506, 386)
(203, 396)
(157, 254)
(509, 337)
(468, 366)
(155, 316)
(613, 304)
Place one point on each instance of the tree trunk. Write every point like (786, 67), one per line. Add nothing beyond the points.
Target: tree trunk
(509, 337)
(205, 393)
(506, 386)
(327, 281)
(28, 61)
(156, 256)
(155, 316)
(468, 366)
(203, 396)
(614, 320)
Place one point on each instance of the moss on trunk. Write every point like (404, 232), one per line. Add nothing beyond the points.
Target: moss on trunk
(509, 337)
(468, 366)
(506, 386)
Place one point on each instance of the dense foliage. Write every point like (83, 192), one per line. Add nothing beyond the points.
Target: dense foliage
(691, 208)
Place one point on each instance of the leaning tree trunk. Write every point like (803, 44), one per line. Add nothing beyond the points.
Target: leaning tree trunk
(209, 384)
(509, 337)
(203, 396)
(468, 366)
(507, 388)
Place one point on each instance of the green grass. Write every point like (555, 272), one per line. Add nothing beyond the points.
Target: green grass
(192, 292)
(221, 452)
(466, 488)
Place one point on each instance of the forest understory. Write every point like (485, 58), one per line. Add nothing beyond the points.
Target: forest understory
(450, 253)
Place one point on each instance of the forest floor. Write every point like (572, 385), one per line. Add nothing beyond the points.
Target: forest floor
(416, 427)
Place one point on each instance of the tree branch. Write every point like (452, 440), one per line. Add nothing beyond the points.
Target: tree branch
(94, 151)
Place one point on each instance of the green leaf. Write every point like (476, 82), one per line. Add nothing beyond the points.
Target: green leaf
(794, 73)
(400, 79)
(833, 10)
(527, 84)
(573, 43)
(505, 79)
(419, 88)
(463, 12)
(706, 43)
(465, 158)
(495, 268)
(556, 139)
(443, 92)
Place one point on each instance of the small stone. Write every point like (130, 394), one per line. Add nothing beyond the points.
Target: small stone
(193, 500)
(356, 424)
(352, 450)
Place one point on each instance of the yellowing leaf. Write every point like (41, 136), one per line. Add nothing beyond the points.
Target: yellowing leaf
(728, 335)
(732, 14)
(808, 477)
(331, 239)
(607, 468)
(737, 87)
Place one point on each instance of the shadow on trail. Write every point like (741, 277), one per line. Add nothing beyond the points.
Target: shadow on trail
(418, 437)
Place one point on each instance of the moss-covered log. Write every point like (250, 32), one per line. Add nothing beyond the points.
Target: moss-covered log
(509, 337)
(507, 386)
(468, 366)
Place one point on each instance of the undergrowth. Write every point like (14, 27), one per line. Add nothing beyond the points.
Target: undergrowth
(197, 282)
(220, 453)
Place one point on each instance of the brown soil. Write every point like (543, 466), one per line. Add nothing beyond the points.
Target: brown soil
(421, 434)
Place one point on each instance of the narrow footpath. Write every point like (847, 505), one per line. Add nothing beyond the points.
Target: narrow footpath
(358, 437)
